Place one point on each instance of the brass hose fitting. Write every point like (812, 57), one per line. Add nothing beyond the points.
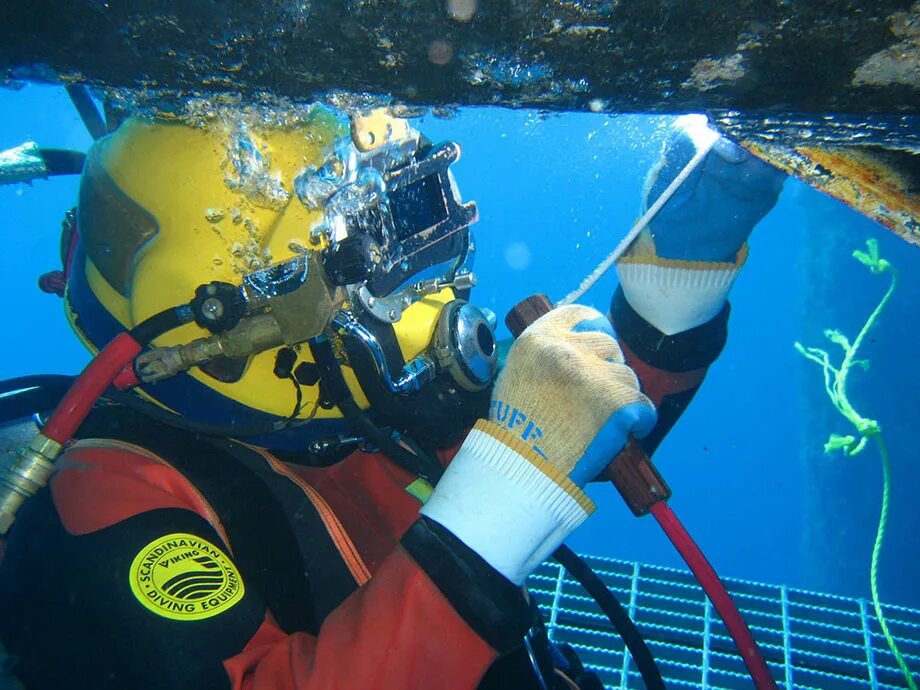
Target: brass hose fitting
(27, 473)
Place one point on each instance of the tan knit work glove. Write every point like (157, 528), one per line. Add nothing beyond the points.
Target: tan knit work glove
(563, 381)
(562, 408)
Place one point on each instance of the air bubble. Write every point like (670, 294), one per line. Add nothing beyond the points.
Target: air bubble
(214, 215)
(462, 10)
(440, 52)
(518, 256)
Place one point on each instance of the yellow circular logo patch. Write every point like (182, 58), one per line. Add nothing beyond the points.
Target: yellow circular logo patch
(184, 577)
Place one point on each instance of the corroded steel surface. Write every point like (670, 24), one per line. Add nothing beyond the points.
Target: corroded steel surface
(612, 55)
(871, 163)
(880, 183)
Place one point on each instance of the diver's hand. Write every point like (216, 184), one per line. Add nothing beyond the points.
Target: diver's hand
(679, 271)
(715, 209)
(563, 406)
(566, 393)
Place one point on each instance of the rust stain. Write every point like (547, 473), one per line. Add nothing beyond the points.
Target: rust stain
(856, 177)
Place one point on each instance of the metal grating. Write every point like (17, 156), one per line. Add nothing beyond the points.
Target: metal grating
(810, 640)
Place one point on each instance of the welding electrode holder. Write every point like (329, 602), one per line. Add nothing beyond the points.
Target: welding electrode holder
(631, 471)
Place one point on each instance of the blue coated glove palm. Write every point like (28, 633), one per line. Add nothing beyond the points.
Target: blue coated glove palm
(679, 271)
(714, 211)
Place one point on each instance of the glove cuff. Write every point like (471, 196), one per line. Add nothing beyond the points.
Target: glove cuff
(673, 295)
(505, 502)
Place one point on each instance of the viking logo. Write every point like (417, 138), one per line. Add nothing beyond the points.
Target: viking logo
(184, 577)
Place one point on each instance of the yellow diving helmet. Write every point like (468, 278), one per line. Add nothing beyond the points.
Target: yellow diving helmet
(286, 235)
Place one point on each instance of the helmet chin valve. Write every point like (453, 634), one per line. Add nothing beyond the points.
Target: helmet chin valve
(464, 350)
(464, 345)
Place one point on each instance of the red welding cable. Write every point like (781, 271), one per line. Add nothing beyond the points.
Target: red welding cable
(717, 593)
(88, 388)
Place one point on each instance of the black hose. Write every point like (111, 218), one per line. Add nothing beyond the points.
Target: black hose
(337, 391)
(425, 467)
(92, 118)
(62, 161)
(615, 613)
(135, 402)
(25, 395)
(158, 324)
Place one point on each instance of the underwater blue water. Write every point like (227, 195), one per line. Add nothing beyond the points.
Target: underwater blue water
(555, 195)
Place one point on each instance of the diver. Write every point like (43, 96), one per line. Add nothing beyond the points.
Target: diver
(313, 473)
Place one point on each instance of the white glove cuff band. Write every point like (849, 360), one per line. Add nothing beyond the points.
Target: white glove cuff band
(675, 296)
(504, 505)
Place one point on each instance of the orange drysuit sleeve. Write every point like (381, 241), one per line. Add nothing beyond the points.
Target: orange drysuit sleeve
(670, 368)
(398, 631)
(431, 615)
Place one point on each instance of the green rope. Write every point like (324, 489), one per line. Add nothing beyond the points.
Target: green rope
(835, 385)
(876, 553)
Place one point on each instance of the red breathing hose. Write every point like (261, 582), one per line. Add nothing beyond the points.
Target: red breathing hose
(522, 315)
(717, 594)
(89, 387)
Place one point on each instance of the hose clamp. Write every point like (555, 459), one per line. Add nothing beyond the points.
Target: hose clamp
(29, 471)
